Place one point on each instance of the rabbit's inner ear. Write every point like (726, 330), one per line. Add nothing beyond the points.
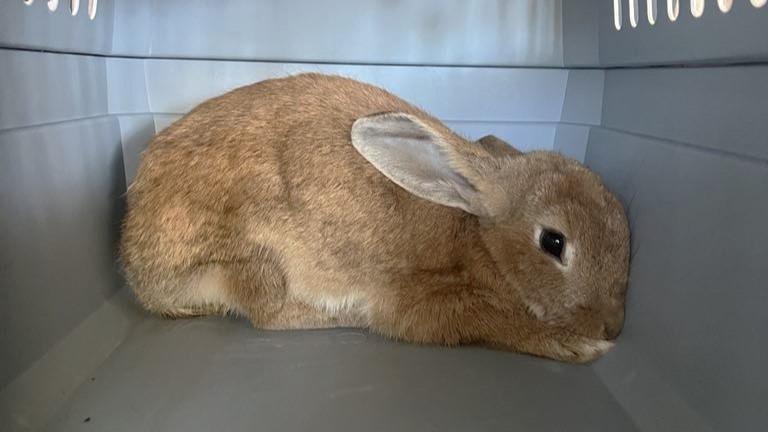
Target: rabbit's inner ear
(415, 157)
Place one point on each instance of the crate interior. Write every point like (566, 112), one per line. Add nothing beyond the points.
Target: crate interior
(670, 109)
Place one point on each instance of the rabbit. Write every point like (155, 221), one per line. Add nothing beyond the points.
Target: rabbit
(316, 201)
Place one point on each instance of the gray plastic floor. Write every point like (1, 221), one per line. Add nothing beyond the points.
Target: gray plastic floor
(221, 374)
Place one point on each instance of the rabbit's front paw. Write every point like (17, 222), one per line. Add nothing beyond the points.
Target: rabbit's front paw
(577, 349)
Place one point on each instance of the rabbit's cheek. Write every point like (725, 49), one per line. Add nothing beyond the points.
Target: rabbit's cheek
(536, 309)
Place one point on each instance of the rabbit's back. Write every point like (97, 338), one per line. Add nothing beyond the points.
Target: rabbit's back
(272, 165)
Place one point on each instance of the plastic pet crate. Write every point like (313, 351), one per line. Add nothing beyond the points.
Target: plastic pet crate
(666, 99)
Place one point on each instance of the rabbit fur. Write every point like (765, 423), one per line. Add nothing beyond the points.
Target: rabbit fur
(317, 201)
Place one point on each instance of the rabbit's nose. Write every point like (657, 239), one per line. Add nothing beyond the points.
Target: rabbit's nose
(612, 325)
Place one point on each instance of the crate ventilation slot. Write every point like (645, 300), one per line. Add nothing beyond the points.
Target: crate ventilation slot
(74, 6)
(696, 7)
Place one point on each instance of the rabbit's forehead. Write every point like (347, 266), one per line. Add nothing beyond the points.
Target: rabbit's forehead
(550, 192)
(572, 196)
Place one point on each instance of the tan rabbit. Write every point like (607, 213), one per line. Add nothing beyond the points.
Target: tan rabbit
(318, 201)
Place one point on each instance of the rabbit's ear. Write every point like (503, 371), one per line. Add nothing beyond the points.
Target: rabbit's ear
(416, 157)
(497, 147)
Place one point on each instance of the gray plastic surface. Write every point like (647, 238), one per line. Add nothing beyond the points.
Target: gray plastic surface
(720, 108)
(697, 296)
(61, 190)
(35, 27)
(136, 131)
(202, 375)
(127, 86)
(571, 140)
(39, 88)
(581, 24)
(583, 99)
(451, 93)
(738, 36)
(453, 32)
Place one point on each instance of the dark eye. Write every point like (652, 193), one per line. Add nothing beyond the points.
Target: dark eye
(553, 243)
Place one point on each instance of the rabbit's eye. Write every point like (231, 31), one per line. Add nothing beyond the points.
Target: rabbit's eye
(553, 243)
